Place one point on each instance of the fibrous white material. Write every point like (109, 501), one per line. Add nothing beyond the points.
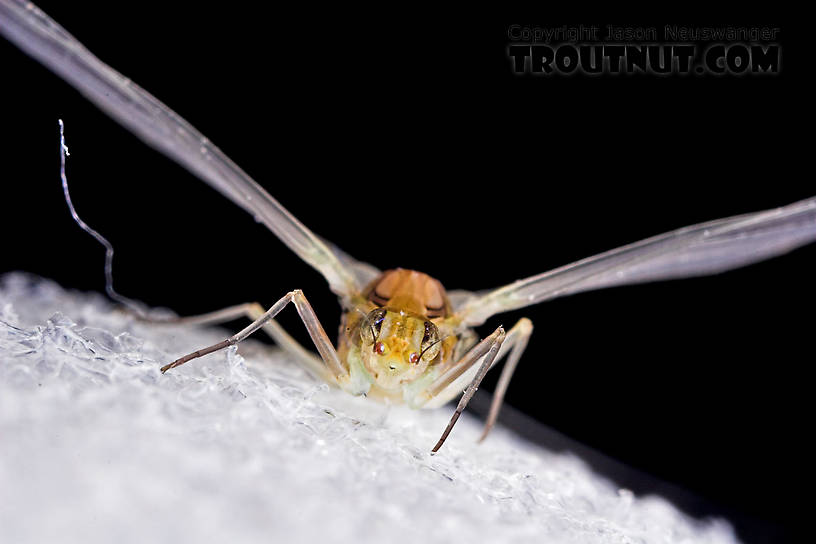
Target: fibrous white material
(243, 446)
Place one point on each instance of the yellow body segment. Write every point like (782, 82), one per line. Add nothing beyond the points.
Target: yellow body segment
(397, 335)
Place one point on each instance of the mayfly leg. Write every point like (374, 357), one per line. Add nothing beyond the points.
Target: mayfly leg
(486, 351)
(516, 342)
(253, 310)
(490, 351)
(307, 315)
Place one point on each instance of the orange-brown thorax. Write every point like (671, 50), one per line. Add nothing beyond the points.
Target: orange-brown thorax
(411, 292)
(395, 325)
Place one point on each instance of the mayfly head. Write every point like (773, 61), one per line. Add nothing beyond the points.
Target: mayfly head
(397, 347)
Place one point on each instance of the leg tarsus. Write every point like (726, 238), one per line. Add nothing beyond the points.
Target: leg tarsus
(315, 329)
(196, 354)
(517, 340)
(496, 340)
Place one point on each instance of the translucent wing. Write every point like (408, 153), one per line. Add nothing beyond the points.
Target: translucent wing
(459, 298)
(158, 126)
(363, 273)
(707, 248)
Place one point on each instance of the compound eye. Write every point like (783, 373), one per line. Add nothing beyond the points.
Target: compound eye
(430, 343)
(372, 325)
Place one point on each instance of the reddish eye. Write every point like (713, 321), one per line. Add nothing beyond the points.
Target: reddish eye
(414, 357)
(379, 348)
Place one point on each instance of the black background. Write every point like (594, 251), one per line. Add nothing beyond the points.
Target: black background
(407, 140)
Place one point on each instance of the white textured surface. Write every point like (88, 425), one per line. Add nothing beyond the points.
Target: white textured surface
(97, 446)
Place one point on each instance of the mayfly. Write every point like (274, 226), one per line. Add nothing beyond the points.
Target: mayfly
(403, 338)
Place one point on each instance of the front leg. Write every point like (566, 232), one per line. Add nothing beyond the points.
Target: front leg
(252, 311)
(486, 351)
(490, 350)
(313, 326)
